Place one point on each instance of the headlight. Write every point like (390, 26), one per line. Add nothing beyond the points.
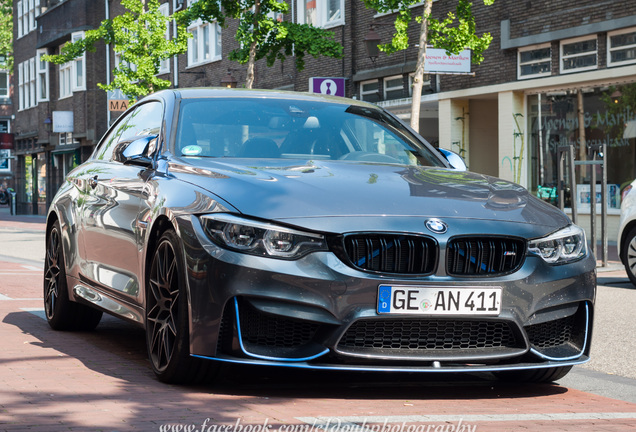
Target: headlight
(563, 246)
(260, 238)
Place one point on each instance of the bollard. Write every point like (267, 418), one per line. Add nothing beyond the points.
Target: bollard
(12, 203)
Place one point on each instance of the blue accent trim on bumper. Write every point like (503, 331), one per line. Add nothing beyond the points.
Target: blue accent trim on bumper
(273, 359)
(463, 368)
(587, 327)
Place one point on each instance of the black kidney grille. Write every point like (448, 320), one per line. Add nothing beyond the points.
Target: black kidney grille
(418, 334)
(484, 256)
(392, 253)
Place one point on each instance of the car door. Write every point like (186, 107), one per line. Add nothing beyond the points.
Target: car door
(109, 214)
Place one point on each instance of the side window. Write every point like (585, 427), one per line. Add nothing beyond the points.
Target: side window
(144, 120)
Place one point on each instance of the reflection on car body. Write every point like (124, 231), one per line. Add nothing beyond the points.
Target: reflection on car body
(304, 231)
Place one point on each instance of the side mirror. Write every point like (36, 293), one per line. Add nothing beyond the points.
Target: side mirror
(456, 161)
(136, 152)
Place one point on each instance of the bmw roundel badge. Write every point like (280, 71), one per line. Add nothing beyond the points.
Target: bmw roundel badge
(436, 226)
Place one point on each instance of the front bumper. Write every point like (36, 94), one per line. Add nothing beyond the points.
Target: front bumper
(316, 312)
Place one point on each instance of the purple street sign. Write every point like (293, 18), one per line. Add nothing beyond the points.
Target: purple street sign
(327, 86)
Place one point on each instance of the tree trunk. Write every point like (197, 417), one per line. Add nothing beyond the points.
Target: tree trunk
(418, 79)
(249, 80)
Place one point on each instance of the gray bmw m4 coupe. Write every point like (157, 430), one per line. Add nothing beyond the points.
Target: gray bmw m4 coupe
(296, 230)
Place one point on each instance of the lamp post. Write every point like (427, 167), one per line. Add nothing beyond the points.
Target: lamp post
(228, 80)
(371, 41)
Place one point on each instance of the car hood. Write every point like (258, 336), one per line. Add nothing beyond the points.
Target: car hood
(283, 189)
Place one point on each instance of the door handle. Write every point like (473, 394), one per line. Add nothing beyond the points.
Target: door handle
(93, 182)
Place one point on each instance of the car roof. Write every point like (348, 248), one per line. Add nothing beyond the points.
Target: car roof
(222, 92)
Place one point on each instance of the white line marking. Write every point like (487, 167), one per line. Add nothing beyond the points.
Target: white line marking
(338, 422)
(4, 297)
(29, 267)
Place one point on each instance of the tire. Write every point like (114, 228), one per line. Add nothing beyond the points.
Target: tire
(542, 375)
(62, 313)
(167, 327)
(628, 252)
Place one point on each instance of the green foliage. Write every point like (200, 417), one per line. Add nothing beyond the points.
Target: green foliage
(259, 30)
(138, 36)
(454, 33)
(619, 102)
(6, 34)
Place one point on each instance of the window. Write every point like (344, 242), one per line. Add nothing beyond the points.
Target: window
(32, 93)
(579, 54)
(621, 47)
(321, 13)
(164, 65)
(65, 80)
(4, 83)
(27, 10)
(20, 30)
(67, 138)
(534, 61)
(43, 77)
(394, 87)
(426, 84)
(370, 91)
(21, 86)
(205, 44)
(26, 84)
(144, 120)
(78, 66)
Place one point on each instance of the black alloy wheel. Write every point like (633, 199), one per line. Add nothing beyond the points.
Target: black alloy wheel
(61, 312)
(167, 336)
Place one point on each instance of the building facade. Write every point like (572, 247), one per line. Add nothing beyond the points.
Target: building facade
(509, 117)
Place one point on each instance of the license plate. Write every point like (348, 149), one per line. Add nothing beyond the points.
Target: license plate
(438, 300)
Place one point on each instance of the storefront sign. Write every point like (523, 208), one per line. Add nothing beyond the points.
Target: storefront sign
(6, 141)
(117, 101)
(62, 121)
(438, 62)
(327, 86)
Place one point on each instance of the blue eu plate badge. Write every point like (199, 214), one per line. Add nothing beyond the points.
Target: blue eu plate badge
(384, 299)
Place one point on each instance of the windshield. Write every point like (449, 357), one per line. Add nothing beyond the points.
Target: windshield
(295, 129)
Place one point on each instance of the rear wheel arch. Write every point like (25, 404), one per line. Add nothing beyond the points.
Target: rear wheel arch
(625, 237)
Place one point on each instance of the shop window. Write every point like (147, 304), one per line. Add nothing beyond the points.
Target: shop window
(205, 44)
(553, 123)
(579, 54)
(370, 91)
(43, 77)
(321, 13)
(621, 47)
(394, 87)
(534, 61)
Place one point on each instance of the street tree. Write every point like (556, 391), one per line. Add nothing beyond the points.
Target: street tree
(6, 35)
(138, 37)
(456, 32)
(262, 33)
